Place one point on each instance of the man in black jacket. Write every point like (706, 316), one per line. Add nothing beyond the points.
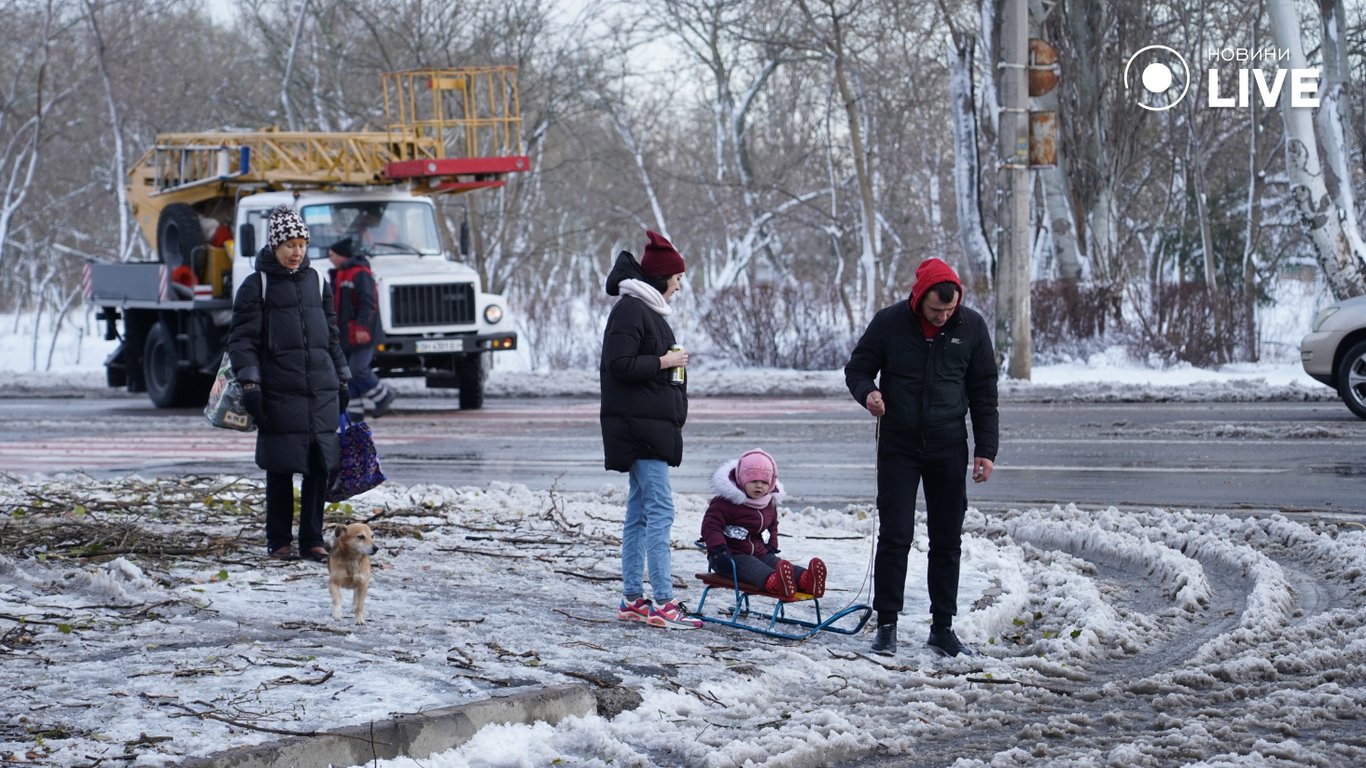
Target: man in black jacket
(356, 297)
(937, 365)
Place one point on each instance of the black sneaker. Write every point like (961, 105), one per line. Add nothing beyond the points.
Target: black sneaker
(946, 643)
(885, 642)
(385, 402)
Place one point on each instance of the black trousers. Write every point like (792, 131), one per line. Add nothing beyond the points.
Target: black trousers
(280, 505)
(751, 569)
(943, 472)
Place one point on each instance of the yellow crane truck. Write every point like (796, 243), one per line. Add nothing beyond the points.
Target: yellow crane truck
(201, 199)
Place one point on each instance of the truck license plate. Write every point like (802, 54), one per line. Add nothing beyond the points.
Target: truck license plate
(425, 346)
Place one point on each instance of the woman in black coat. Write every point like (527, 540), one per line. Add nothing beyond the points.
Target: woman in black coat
(284, 349)
(642, 416)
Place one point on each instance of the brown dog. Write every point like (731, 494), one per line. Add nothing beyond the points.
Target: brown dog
(348, 567)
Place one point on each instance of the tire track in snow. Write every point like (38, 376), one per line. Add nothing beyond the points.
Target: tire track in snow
(1260, 658)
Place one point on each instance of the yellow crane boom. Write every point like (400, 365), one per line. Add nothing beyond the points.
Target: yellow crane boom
(447, 131)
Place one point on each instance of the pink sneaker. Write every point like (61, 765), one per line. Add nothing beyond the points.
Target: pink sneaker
(640, 610)
(672, 616)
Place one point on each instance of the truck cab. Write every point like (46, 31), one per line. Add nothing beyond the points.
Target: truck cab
(435, 321)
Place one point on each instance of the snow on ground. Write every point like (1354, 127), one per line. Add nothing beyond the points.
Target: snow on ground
(1167, 637)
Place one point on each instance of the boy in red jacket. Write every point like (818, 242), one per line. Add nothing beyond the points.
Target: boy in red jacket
(746, 505)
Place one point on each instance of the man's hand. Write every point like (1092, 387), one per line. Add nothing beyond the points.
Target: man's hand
(981, 469)
(359, 335)
(874, 403)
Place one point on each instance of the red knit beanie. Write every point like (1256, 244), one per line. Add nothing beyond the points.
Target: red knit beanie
(661, 259)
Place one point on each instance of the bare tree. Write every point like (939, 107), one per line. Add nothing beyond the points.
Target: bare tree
(829, 28)
(1330, 226)
(27, 102)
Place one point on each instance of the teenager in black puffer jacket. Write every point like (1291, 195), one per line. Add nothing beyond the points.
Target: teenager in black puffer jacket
(285, 351)
(642, 419)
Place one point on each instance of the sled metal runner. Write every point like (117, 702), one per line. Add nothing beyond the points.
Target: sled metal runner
(778, 620)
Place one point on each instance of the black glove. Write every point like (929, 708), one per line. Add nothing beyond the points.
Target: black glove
(721, 562)
(344, 396)
(253, 400)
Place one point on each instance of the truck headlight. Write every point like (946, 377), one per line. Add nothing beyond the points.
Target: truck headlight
(1319, 319)
(493, 314)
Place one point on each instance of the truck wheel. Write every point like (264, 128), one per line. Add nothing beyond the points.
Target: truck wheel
(178, 235)
(168, 385)
(1351, 379)
(472, 375)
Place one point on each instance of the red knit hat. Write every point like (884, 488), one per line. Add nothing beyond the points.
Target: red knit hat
(661, 259)
(931, 272)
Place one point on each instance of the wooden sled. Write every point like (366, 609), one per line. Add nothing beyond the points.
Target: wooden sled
(779, 618)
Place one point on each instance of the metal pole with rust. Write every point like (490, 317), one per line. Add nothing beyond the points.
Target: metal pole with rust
(1013, 338)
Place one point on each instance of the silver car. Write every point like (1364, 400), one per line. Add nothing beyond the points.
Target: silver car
(1334, 352)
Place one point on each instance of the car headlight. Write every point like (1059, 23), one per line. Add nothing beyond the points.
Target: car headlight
(493, 314)
(1319, 319)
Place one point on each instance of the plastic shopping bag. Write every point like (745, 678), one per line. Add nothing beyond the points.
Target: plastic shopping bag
(359, 470)
(225, 401)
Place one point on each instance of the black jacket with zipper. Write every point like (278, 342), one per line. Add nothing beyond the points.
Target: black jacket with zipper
(642, 414)
(928, 385)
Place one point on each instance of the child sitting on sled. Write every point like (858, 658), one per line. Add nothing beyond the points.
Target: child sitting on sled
(746, 505)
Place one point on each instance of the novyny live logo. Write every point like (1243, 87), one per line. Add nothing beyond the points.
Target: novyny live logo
(1164, 78)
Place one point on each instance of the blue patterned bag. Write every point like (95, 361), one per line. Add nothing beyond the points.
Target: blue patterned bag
(359, 470)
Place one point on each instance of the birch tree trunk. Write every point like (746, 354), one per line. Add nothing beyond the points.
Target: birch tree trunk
(833, 40)
(1256, 184)
(291, 120)
(967, 169)
(1331, 228)
(20, 154)
(116, 129)
(1334, 117)
(1057, 197)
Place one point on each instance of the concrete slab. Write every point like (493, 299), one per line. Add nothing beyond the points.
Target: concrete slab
(418, 735)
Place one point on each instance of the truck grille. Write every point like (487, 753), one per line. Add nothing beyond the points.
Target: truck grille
(423, 305)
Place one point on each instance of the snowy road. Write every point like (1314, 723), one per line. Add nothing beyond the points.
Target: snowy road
(1287, 457)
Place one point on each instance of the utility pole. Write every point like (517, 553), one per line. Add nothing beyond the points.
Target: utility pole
(1013, 333)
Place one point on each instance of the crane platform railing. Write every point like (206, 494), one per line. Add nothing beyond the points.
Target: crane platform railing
(448, 130)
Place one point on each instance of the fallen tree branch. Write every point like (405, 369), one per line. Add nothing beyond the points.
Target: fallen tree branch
(211, 715)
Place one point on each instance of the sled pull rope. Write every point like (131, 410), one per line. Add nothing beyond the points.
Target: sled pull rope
(872, 538)
(866, 585)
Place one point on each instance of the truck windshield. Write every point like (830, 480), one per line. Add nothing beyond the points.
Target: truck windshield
(377, 228)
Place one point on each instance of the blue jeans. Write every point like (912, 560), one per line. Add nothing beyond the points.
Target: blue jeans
(645, 538)
(363, 378)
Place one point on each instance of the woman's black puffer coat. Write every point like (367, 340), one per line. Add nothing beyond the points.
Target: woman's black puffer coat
(642, 414)
(289, 344)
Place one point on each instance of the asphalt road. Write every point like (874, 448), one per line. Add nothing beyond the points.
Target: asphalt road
(1295, 458)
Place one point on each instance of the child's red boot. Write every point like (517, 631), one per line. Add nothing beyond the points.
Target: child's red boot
(782, 582)
(812, 581)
